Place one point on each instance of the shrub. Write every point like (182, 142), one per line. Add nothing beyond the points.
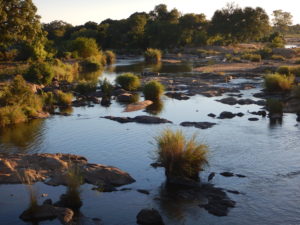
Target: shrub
(252, 57)
(180, 157)
(85, 47)
(62, 98)
(265, 52)
(278, 82)
(64, 71)
(106, 87)
(86, 87)
(11, 115)
(110, 57)
(153, 90)
(128, 81)
(40, 73)
(274, 106)
(152, 55)
(284, 70)
(278, 57)
(89, 65)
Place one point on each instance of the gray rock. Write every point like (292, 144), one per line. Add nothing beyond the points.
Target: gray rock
(201, 125)
(138, 119)
(226, 115)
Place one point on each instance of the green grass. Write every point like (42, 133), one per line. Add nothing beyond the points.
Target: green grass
(128, 81)
(277, 82)
(62, 98)
(181, 157)
(152, 55)
(153, 90)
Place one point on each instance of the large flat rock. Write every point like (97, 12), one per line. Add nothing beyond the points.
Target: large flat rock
(52, 169)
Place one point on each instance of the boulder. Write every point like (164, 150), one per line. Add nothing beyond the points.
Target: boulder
(149, 217)
(226, 115)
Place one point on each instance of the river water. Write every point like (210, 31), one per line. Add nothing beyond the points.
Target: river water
(268, 154)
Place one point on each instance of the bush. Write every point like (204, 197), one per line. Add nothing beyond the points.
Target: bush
(128, 81)
(180, 157)
(11, 115)
(274, 106)
(152, 55)
(106, 88)
(278, 57)
(284, 70)
(295, 70)
(89, 65)
(62, 98)
(153, 90)
(64, 71)
(110, 57)
(86, 87)
(85, 47)
(40, 73)
(252, 57)
(278, 82)
(265, 52)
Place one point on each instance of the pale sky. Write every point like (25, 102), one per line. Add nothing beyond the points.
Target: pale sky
(78, 12)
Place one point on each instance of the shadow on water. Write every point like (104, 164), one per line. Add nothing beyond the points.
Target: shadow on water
(156, 108)
(22, 136)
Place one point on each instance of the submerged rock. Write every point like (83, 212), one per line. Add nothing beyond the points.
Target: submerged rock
(201, 125)
(149, 217)
(211, 115)
(138, 119)
(177, 95)
(226, 115)
(52, 169)
(253, 119)
(234, 101)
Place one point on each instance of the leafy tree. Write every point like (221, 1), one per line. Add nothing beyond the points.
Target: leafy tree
(281, 21)
(85, 47)
(19, 23)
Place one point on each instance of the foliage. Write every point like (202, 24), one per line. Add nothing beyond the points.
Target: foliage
(265, 52)
(282, 20)
(89, 65)
(278, 82)
(65, 71)
(40, 73)
(62, 98)
(106, 87)
(179, 156)
(153, 90)
(86, 87)
(274, 106)
(152, 55)
(85, 47)
(252, 57)
(110, 57)
(128, 81)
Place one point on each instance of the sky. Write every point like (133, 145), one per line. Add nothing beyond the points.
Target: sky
(78, 12)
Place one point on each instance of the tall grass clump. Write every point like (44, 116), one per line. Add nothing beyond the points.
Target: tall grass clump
(106, 88)
(64, 71)
(277, 82)
(252, 57)
(153, 90)
(181, 157)
(40, 73)
(110, 57)
(284, 70)
(62, 98)
(128, 81)
(152, 55)
(86, 87)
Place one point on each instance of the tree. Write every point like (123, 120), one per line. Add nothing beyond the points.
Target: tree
(19, 23)
(282, 20)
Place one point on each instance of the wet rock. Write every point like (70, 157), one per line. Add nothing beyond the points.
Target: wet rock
(177, 95)
(298, 117)
(46, 212)
(240, 175)
(226, 115)
(234, 101)
(143, 191)
(126, 189)
(253, 119)
(138, 106)
(240, 114)
(125, 97)
(149, 217)
(52, 169)
(119, 91)
(211, 115)
(200, 125)
(233, 192)
(228, 101)
(211, 176)
(227, 174)
(259, 113)
(138, 119)
(156, 164)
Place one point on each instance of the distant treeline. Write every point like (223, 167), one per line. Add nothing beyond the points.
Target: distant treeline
(22, 36)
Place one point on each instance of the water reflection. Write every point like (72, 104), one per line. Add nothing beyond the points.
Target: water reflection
(156, 108)
(22, 136)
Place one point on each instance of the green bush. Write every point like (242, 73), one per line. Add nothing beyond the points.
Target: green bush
(128, 81)
(278, 57)
(89, 65)
(252, 57)
(153, 90)
(40, 73)
(106, 87)
(152, 55)
(62, 98)
(110, 57)
(64, 71)
(180, 157)
(10, 115)
(85, 47)
(86, 87)
(278, 82)
(284, 70)
(274, 106)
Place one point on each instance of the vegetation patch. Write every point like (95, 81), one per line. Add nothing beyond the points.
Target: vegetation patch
(152, 55)
(153, 90)
(277, 82)
(128, 81)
